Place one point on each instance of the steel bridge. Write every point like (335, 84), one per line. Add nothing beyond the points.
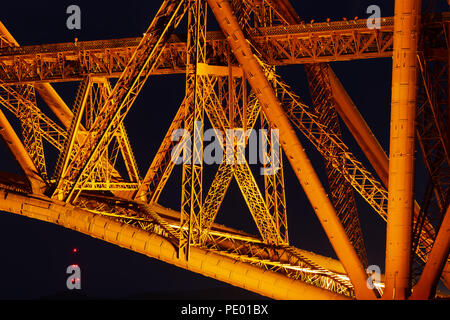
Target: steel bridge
(232, 82)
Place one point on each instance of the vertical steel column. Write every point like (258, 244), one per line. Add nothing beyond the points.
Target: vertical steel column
(293, 148)
(192, 178)
(401, 163)
(368, 143)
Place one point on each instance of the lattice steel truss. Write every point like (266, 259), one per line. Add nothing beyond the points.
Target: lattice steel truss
(232, 83)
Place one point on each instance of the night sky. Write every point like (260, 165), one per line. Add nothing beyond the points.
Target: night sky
(35, 255)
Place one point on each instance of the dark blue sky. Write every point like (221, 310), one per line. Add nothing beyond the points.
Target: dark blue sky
(34, 255)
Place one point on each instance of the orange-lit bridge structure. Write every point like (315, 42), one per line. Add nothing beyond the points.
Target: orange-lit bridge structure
(232, 83)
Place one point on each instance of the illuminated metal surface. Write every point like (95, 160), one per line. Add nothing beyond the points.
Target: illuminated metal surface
(87, 193)
(401, 152)
(336, 41)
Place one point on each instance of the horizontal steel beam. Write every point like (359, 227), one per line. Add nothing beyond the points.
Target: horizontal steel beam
(283, 45)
